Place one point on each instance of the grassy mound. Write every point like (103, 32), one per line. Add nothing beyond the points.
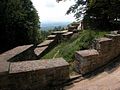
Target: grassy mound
(67, 49)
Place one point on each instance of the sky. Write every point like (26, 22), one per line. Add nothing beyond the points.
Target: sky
(51, 11)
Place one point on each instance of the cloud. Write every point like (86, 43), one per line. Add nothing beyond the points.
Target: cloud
(50, 10)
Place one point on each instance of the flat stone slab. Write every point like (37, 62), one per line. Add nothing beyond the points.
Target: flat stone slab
(112, 35)
(86, 53)
(51, 36)
(40, 50)
(67, 33)
(114, 32)
(13, 52)
(103, 39)
(26, 66)
(45, 43)
(60, 32)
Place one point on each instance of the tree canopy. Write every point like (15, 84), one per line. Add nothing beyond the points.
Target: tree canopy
(98, 13)
(19, 23)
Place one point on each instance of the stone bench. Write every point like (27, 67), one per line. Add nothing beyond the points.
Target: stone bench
(38, 74)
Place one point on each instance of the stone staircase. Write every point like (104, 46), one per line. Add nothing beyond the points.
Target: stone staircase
(104, 50)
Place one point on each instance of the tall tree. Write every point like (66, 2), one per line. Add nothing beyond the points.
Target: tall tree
(19, 23)
(98, 13)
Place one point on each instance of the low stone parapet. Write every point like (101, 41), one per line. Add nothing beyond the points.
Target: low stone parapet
(35, 75)
(104, 50)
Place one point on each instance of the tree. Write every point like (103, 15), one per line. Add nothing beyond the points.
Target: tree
(97, 13)
(19, 23)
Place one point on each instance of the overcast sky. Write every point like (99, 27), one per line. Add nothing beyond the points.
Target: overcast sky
(51, 11)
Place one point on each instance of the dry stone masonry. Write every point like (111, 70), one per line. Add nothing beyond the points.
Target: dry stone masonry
(38, 74)
(34, 75)
(105, 49)
(22, 69)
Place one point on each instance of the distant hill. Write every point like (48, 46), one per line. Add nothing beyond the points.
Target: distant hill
(52, 25)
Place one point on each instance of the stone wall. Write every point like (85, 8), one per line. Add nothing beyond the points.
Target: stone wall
(21, 69)
(104, 50)
(34, 75)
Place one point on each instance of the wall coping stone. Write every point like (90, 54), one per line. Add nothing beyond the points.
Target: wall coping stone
(4, 57)
(104, 39)
(67, 33)
(26, 66)
(13, 52)
(112, 35)
(87, 53)
(45, 43)
(39, 50)
(51, 36)
(60, 32)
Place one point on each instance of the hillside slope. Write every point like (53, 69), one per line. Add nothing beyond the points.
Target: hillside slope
(66, 49)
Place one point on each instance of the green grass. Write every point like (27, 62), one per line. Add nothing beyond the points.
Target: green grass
(67, 49)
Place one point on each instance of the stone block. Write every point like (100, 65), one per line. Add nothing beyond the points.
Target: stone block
(114, 37)
(67, 35)
(45, 43)
(4, 67)
(59, 32)
(40, 50)
(85, 59)
(51, 37)
(38, 74)
(103, 45)
(14, 52)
